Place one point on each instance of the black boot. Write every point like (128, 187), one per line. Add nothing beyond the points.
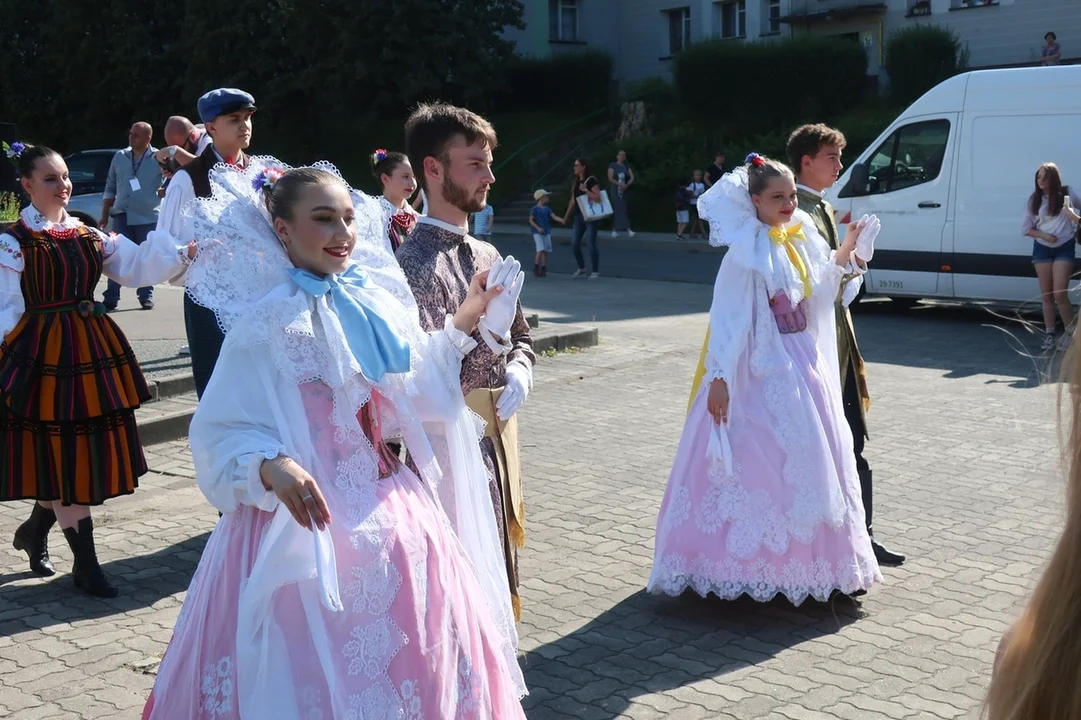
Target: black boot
(883, 555)
(32, 537)
(87, 573)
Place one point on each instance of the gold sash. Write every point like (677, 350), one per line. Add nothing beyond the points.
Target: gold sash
(507, 458)
(700, 371)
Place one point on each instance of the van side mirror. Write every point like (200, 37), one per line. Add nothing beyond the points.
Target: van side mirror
(860, 179)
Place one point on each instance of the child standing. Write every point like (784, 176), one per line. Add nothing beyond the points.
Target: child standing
(695, 190)
(482, 223)
(540, 219)
(683, 213)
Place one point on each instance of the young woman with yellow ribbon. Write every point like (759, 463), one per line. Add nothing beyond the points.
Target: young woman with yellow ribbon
(764, 497)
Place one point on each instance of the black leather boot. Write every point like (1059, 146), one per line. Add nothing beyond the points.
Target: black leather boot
(87, 573)
(32, 537)
(883, 555)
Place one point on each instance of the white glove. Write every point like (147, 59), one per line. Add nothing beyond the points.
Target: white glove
(868, 227)
(501, 310)
(515, 390)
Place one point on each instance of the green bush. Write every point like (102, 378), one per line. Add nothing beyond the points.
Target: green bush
(920, 57)
(768, 84)
(579, 81)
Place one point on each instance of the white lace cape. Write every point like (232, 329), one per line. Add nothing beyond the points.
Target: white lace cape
(744, 330)
(240, 274)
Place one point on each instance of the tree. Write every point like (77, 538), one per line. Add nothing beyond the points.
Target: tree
(77, 74)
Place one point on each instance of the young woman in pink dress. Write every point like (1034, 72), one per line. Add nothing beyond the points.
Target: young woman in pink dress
(763, 498)
(334, 586)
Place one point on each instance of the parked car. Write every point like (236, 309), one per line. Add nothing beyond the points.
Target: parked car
(950, 178)
(88, 170)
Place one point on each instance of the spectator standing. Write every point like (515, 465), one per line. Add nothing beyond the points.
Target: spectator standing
(1052, 52)
(695, 190)
(482, 223)
(1051, 217)
(683, 209)
(584, 184)
(716, 171)
(540, 220)
(620, 179)
(131, 201)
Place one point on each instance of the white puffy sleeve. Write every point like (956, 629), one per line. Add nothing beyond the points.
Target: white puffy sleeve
(234, 430)
(438, 373)
(12, 303)
(730, 319)
(159, 259)
(177, 195)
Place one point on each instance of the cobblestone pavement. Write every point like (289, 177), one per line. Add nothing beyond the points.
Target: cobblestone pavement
(964, 448)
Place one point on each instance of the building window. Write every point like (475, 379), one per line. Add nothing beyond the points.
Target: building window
(733, 18)
(963, 4)
(563, 20)
(771, 17)
(679, 29)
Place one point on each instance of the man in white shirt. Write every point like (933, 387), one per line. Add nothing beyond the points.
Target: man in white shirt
(227, 115)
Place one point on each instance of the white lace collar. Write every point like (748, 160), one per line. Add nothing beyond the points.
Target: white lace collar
(816, 193)
(388, 205)
(37, 222)
(449, 227)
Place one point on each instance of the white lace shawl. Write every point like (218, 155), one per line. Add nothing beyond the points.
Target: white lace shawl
(279, 338)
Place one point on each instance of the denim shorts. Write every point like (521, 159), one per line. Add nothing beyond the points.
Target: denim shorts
(1043, 254)
(543, 242)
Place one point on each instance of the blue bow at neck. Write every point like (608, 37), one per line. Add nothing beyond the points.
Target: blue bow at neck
(370, 338)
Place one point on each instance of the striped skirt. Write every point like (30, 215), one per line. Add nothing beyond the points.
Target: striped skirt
(69, 387)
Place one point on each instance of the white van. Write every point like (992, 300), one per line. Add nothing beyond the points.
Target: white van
(950, 178)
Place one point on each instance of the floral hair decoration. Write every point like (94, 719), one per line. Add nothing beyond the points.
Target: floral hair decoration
(755, 159)
(379, 156)
(14, 151)
(267, 179)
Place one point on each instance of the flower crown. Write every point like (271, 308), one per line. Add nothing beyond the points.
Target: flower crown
(754, 159)
(267, 179)
(14, 151)
(379, 156)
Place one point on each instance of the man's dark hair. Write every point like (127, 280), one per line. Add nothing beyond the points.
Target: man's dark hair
(808, 140)
(1051, 35)
(432, 128)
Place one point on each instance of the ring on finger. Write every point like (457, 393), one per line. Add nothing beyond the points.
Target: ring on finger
(306, 497)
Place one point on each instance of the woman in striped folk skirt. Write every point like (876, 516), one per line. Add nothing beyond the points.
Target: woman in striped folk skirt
(69, 382)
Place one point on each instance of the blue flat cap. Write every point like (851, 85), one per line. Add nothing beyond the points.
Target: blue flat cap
(222, 102)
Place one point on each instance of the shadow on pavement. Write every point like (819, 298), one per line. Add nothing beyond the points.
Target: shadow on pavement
(142, 581)
(649, 644)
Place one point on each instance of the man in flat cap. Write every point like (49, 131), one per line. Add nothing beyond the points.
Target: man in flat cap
(227, 115)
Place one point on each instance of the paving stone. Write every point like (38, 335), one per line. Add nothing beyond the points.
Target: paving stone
(967, 484)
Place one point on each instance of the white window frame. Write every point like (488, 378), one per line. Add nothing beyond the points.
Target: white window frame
(556, 31)
(771, 25)
(740, 19)
(682, 16)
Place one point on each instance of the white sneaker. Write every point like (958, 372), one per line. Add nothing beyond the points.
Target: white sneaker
(579, 273)
(630, 233)
(1048, 340)
(1064, 340)
(184, 350)
(594, 276)
(615, 234)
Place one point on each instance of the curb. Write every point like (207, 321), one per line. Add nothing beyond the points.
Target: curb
(170, 426)
(657, 242)
(165, 428)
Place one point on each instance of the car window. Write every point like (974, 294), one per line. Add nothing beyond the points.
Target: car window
(910, 156)
(87, 168)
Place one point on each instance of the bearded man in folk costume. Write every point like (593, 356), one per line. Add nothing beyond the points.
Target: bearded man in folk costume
(451, 150)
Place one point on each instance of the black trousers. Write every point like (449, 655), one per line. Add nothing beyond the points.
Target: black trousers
(854, 416)
(204, 340)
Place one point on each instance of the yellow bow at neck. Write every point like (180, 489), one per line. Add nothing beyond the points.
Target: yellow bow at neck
(786, 237)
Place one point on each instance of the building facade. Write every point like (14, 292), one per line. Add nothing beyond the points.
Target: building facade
(642, 36)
